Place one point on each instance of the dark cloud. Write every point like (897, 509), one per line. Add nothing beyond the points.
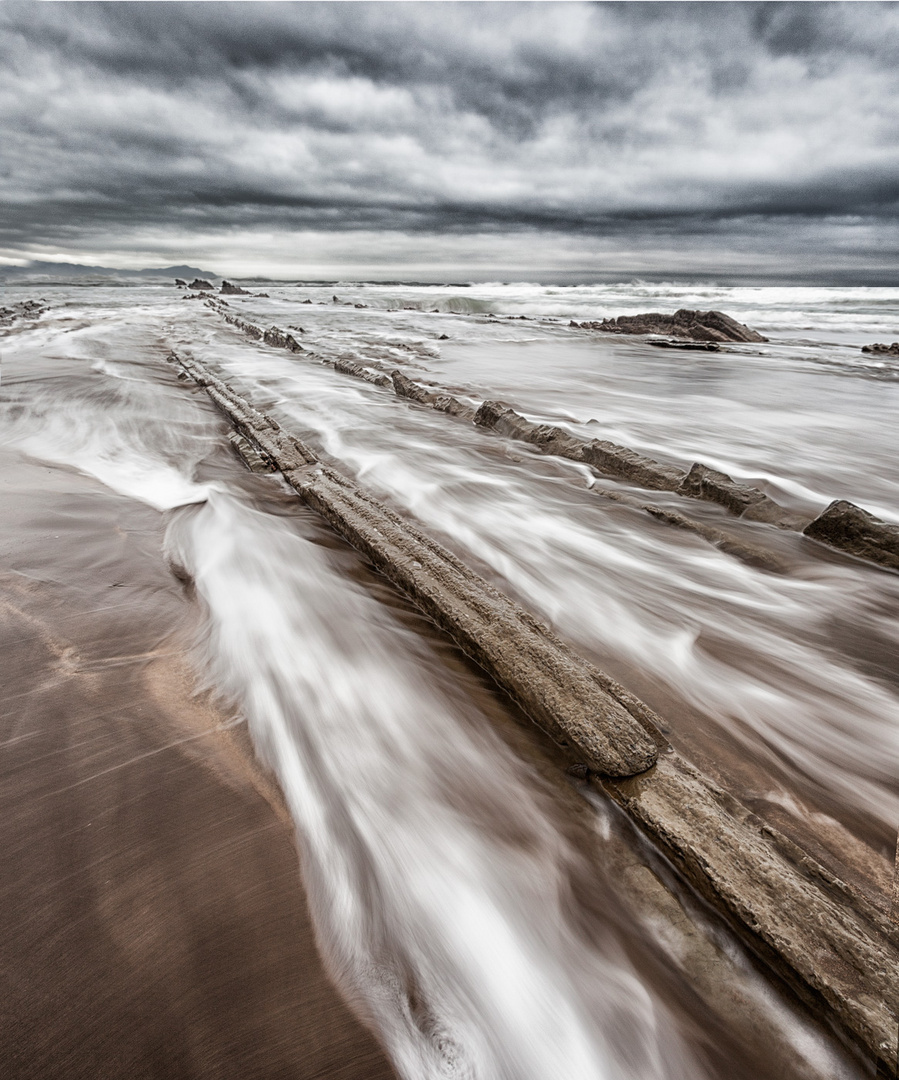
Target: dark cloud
(157, 129)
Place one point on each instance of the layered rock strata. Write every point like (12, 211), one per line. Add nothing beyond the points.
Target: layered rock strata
(569, 698)
(851, 529)
(699, 325)
(609, 458)
(834, 948)
(846, 526)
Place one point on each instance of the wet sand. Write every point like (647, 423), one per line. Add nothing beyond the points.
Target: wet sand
(153, 922)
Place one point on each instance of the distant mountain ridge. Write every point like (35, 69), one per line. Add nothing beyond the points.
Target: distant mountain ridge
(48, 271)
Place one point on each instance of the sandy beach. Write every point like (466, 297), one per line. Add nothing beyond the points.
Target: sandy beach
(153, 920)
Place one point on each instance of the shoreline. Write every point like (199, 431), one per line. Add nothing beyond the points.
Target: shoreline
(154, 917)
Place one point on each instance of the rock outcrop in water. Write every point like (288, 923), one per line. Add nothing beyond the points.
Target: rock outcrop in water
(842, 526)
(180, 283)
(695, 325)
(27, 309)
(846, 526)
(609, 458)
(199, 283)
(578, 704)
(229, 289)
(677, 343)
(834, 946)
(879, 347)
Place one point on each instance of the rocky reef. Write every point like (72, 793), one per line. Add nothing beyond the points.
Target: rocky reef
(27, 309)
(691, 325)
(879, 347)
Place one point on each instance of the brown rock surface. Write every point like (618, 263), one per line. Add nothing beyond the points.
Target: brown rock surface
(846, 526)
(836, 949)
(698, 325)
(562, 693)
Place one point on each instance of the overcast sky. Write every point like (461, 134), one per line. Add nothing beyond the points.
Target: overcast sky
(472, 140)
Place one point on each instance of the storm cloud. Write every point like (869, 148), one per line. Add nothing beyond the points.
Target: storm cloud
(342, 139)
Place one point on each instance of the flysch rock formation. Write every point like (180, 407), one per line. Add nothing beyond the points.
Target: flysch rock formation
(609, 458)
(677, 343)
(837, 950)
(712, 326)
(200, 283)
(230, 289)
(881, 545)
(846, 526)
(562, 693)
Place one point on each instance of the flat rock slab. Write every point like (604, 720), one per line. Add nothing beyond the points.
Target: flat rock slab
(675, 343)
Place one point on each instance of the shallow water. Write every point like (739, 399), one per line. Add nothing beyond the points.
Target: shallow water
(445, 878)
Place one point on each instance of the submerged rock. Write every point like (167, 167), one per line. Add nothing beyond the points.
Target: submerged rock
(27, 309)
(846, 526)
(675, 343)
(879, 347)
(695, 325)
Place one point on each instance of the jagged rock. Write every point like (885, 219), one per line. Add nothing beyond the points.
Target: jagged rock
(26, 309)
(701, 482)
(704, 483)
(879, 347)
(846, 526)
(607, 457)
(199, 283)
(262, 295)
(443, 337)
(180, 284)
(350, 367)
(229, 289)
(405, 387)
(698, 325)
(307, 301)
(453, 406)
(276, 337)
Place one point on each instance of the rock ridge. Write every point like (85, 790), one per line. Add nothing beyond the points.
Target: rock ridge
(712, 326)
(834, 948)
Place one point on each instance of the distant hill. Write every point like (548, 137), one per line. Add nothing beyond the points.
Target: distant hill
(54, 271)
